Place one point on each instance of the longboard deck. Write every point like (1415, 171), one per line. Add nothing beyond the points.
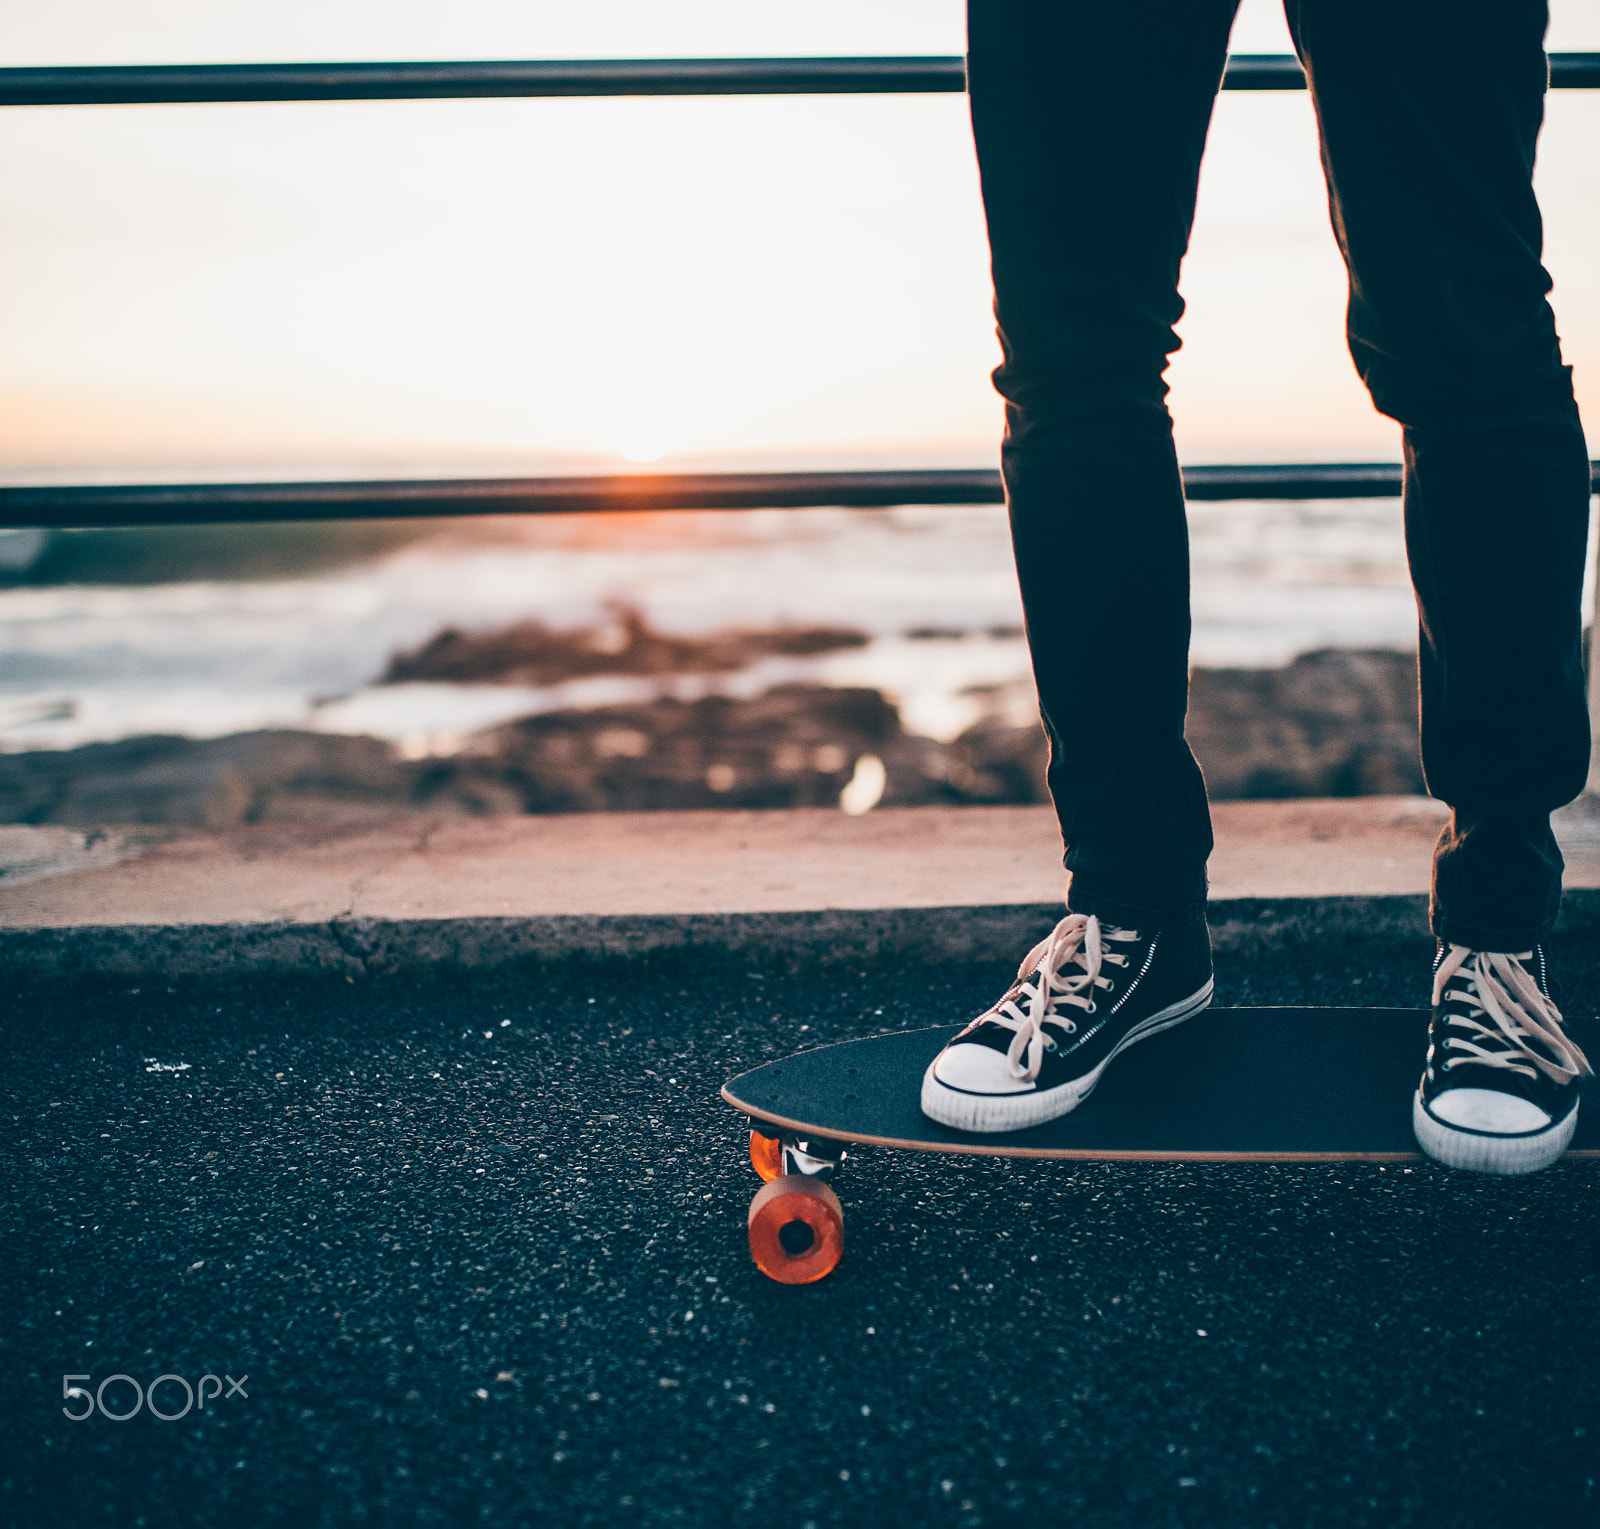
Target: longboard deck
(1230, 1085)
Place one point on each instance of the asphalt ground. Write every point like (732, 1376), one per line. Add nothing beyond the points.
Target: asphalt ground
(475, 1250)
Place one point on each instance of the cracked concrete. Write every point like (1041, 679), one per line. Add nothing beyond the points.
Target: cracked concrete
(795, 887)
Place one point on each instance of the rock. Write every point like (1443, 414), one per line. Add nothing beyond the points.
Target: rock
(1331, 724)
(795, 746)
(27, 854)
(530, 653)
(992, 762)
(275, 776)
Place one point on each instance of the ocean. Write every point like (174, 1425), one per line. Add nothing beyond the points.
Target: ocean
(208, 631)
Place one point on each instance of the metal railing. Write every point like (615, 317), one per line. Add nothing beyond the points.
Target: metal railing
(168, 504)
(165, 504)
(169, 84)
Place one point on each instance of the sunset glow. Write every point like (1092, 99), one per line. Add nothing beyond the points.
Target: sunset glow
(569, 285)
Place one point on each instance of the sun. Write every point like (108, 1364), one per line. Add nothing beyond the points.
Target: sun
(642, 447)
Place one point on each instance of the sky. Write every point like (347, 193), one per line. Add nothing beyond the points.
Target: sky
(585, 285)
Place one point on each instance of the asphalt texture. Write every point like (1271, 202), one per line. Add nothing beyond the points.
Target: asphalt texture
(475, 1250)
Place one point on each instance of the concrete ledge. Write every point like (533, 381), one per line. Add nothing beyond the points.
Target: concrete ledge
(370, 947)
(758, 941)
(773, 890)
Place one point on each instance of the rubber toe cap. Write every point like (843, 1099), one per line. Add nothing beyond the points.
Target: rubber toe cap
(1487, 1109)
(978, 1070)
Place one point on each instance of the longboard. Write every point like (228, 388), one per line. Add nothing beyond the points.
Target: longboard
(1308, 1085)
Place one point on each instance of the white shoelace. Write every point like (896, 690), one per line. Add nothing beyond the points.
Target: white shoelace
(1076, 939)
(1499, 988)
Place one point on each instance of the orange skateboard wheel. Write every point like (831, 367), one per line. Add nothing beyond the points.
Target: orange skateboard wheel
(796, 1229)
(766, 1155)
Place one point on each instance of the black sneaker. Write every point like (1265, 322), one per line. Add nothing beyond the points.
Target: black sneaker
(1081, 996)
(1499, 1094)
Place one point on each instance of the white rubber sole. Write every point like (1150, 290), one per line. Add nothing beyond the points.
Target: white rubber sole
(985, 1113)
(1486, 1152)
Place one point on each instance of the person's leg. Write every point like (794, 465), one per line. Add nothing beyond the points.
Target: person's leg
(1430, 113)
(1090, 120)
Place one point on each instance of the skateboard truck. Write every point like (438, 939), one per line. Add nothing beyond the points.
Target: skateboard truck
(796, 1224)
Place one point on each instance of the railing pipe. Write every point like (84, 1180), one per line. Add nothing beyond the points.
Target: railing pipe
(154, 504)
(170, 84)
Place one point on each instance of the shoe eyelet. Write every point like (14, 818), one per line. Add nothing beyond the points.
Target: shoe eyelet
(1070, 1028)
(1091, 1008)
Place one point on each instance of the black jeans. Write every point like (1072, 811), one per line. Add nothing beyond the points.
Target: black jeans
(1090, 119)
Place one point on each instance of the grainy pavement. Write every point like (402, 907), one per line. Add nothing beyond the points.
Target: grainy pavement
(475, 1250)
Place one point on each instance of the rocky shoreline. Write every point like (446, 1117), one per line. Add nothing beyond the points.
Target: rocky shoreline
(1332, 723)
